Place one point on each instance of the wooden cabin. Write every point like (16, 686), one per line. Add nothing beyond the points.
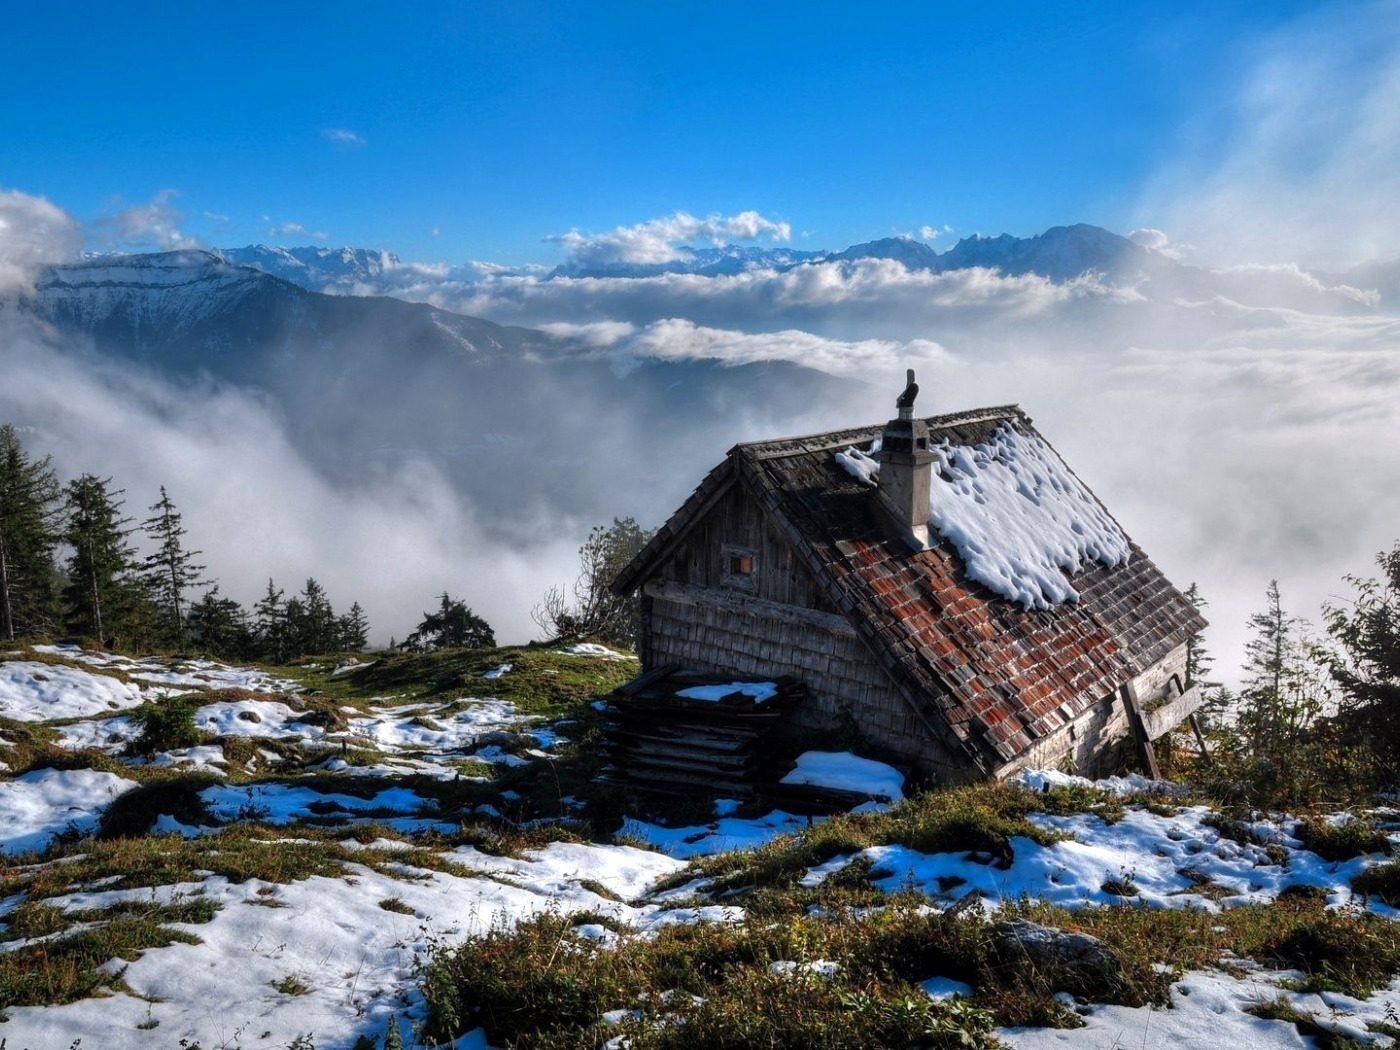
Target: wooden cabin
(946, 583)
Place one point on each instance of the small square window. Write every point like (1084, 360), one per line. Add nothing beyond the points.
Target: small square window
(740, 568)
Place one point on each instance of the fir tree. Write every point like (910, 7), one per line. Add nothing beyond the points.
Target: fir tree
(1279, 698)
(220, 626)
(1217, 699)
(170, 571)
(320, 628)
(98, 598)
(294, 627)
(354, 629)
(270, 625)
(454, 625)
(1367, 671)
(29, 495)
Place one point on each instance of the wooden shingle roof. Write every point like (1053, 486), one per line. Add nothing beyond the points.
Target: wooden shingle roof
(989, 676)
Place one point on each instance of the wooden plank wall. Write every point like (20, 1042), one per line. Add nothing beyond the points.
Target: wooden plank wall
(841, 677)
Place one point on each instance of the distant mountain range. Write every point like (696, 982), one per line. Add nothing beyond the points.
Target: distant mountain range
(1060, 254)
(195, 309)
(528, 425)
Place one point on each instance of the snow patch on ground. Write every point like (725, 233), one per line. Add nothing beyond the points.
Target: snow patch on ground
(942, 988)
(1163, 861)
(37, 806)
(595, 650)
(719, 836)
(110, 734)
(37, 692)
(283, 803)
(1208, 1012)
(356, 958)
(389, 730)
(257, 718)
(1132, 784)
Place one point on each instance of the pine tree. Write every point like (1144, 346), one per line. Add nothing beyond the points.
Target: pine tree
(220, 626)
(98, 597)
(354, 629)
(29, 495)
(1367, 670)
(270, 625)
(295, 628)
(1217, 699)
(170, 571)
(454, 625)
(321, 628)
(1279, 697)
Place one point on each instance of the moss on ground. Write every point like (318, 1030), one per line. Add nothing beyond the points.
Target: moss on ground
(541, 680)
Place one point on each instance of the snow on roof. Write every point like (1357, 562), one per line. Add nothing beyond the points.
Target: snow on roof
(1017, 515)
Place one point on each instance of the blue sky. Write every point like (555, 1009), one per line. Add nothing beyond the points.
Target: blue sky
(498, 124)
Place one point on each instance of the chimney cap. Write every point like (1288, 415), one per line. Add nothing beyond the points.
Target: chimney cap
(905, 401)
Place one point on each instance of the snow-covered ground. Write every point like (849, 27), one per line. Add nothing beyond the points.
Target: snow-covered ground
(844, 771)
(1144, 853)
(331, 937)
(36, 692)
(37, 806)
(323, 956)
(722, 835)
(1210, 1011)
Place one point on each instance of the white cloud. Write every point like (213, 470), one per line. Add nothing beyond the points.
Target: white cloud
(659, 240)
(596, 334)
(295, 229)
(932, 233)
(678, 339)
(344, 138)
(156, 224)
(257, 505)
(1149, 238)
(1302, 165)
(868, 297)
(34, 232)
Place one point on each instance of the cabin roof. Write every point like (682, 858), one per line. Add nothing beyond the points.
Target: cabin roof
(989, 676)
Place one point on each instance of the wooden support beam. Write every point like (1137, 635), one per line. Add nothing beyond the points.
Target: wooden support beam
(1200, 736)
(1140, 733)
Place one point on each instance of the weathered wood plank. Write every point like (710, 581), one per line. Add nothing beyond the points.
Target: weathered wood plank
(733, 602)
(1162, 720)
(642, 681)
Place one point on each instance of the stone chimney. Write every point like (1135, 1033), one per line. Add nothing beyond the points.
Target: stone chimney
(906, 471)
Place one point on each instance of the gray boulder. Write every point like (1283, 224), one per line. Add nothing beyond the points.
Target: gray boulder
(1072, 962)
